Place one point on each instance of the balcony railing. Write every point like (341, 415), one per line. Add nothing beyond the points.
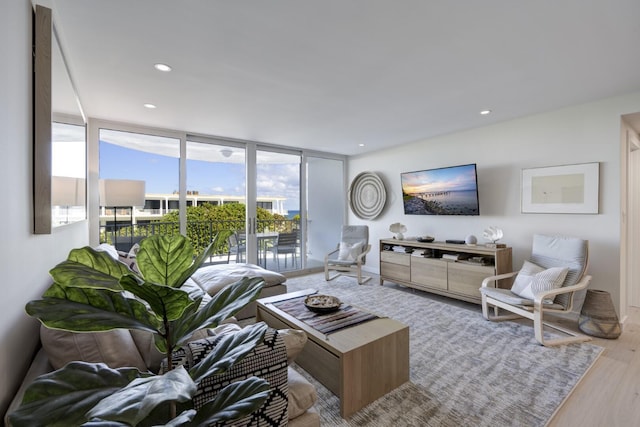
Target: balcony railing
(201, 233)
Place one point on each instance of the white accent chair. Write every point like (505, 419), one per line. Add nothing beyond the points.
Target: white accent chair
(350, 254)
(549, 254)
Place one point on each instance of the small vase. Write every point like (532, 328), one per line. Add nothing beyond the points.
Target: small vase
(399, 236)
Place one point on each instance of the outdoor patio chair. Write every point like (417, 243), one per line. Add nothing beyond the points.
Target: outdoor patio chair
(546, 283)
(287, 244)
(237, 246)
(350, 255)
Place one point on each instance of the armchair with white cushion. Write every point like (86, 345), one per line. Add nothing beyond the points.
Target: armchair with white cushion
(350, 254)
(547, 283)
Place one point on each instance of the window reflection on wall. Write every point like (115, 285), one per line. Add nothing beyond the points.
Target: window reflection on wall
(68, 166)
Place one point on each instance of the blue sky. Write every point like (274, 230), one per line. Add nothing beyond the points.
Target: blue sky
(161, 174)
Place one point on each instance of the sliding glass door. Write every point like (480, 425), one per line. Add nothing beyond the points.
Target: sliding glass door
(278, 233)
(215, 198)
(326, 208)
(254, 197)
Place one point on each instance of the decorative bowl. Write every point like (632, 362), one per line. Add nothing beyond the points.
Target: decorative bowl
(322, 303)
(427, 239)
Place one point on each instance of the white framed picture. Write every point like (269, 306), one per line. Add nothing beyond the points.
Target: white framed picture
(561, 189)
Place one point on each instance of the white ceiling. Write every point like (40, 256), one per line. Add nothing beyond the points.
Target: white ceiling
(331, 74)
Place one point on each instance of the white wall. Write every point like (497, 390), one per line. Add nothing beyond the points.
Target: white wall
(25, 258)
(579, 134)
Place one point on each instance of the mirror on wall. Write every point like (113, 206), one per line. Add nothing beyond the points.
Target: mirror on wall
(68, 146)
(59, 136)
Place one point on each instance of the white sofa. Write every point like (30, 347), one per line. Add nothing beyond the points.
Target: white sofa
(120, 348)
(213, 278)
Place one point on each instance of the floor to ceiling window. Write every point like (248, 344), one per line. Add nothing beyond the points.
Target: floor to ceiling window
(252, 197)
(325, 207)
(278, 227)
(139, 186)
(216, 186)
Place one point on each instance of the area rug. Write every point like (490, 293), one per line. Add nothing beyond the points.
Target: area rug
(464, 370)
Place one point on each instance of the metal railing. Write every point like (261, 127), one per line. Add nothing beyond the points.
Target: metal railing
(201, 233)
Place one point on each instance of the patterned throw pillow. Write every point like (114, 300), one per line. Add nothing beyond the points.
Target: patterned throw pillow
(349, 251)
(533, 279)
(268, 360)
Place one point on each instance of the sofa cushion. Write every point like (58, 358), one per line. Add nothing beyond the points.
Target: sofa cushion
(111, 250)
(146, 346)
(115, 348)
(294, 341)
(302, 394)
(213, 278)
(267, 360)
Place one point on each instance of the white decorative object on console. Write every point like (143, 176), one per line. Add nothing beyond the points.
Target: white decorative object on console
(399, 229)
(492, 234)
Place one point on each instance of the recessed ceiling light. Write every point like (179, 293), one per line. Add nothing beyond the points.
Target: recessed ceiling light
(150, 106)
(162, 67)
(361, 145)
(485, 112)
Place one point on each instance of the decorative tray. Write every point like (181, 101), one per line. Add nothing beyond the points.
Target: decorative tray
(322, 303)
(427, 239)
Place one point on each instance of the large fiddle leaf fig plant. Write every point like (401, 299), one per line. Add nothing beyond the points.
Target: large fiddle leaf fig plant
(93, 292)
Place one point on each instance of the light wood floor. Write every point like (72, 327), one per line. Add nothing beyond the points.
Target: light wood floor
(609, 395)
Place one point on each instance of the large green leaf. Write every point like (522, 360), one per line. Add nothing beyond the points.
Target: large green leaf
(162, 259)
(134, 402)
(226, 303)
(103, 423)
(231, 348)
(166, 302)
(161, 341)
(215, 243)
(182, 419)
(63, 397)
(98, 260)
(72, 273)
(91, 310)
(232, 402)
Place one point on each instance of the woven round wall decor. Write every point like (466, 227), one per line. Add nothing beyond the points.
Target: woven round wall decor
(367, 195)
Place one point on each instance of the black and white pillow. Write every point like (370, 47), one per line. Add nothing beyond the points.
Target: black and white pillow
(268, 360)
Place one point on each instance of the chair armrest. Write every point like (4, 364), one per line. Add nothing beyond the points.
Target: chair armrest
(364, 252)
(583, 283)
(326, 257)
(485, 282)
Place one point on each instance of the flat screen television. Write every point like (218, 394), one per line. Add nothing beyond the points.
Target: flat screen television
(444, 191)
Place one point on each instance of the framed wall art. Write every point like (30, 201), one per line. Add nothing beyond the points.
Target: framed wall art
(572, 189)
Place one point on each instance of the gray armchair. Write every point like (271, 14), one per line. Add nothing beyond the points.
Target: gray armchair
(350, 255)
(547, 283)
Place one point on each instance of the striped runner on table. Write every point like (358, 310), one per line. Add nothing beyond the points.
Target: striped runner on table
(326, 323)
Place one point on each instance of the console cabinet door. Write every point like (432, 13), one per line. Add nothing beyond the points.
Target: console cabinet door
(429, 272)
(394, 265)
(466, 279)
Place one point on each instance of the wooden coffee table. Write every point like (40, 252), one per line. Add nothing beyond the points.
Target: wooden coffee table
(359, 364)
